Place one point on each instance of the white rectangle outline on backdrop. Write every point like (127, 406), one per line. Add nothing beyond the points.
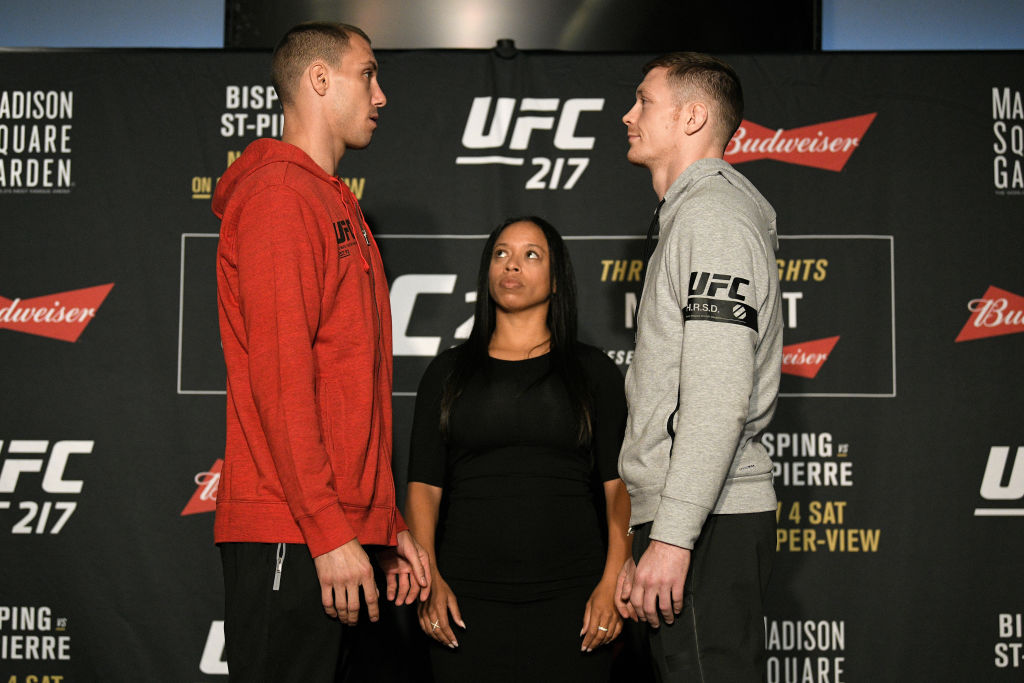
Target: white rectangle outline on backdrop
(892, 308)
(892, 303)
(181, 316)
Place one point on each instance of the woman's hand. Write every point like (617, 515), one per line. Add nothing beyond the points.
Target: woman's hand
(407, 568)
(624, 588)
(433, 613)
(601, 622)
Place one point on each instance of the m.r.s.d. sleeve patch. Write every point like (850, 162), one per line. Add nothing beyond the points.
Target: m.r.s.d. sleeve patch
(720, 298)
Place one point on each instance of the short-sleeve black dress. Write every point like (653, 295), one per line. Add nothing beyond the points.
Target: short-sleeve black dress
(521, 538)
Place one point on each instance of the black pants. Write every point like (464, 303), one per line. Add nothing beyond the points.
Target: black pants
(271, 636)
(719, 636)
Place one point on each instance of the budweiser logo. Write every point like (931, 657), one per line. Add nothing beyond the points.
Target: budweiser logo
(806, 359)
(823, 145)
(998, 312)
(205, 497)
(58, 316)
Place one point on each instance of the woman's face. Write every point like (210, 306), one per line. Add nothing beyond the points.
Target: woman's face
(520, 272)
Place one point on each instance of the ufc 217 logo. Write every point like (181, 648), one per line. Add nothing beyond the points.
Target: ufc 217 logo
(33, 468)
(1003, 482)
(512, 125)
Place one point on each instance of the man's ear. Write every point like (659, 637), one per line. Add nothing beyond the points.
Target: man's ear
(319, 77)
(696, 117)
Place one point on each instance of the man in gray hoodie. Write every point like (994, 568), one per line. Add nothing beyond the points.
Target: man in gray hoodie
(703, 384)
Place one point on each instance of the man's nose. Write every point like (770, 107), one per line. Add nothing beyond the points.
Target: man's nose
(627, 118)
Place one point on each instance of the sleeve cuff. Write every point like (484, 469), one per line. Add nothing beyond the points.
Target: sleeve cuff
(678, 522)
(326, 530)
(400, 524)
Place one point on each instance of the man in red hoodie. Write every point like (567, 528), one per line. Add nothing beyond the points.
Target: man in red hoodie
(305, 324)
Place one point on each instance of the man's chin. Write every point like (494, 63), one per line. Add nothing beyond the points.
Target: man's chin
(360, 144)
(635, 159)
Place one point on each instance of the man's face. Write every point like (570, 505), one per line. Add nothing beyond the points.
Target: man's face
(654, 125)
(355, 95)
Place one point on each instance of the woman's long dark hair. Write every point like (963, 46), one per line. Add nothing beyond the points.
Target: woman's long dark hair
(472, 355)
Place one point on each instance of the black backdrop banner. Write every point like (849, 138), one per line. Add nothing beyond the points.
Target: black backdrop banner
(898, 441)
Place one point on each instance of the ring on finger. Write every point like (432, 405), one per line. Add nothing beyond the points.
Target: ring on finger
(434, 625)
(602, 628)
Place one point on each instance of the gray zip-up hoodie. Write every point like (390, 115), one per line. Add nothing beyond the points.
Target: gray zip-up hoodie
(705, 376)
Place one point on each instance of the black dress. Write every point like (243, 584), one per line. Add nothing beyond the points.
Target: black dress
(521, 537)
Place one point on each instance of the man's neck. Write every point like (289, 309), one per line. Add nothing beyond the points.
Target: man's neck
(664, 175)
(315, 143)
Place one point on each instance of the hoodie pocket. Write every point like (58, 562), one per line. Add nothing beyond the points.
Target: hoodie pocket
(346, 429)
(325, 397)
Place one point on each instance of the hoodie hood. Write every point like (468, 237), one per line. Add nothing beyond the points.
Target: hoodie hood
(258, 154)
(703, 168)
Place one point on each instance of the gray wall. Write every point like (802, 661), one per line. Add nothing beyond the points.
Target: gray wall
(846, 24)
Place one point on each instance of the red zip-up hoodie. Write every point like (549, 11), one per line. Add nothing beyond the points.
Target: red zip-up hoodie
(306, 328)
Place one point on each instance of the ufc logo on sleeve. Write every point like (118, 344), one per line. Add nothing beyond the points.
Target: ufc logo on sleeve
(717, 297)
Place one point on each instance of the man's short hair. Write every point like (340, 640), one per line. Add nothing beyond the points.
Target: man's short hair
(303, 45)
(710, 77)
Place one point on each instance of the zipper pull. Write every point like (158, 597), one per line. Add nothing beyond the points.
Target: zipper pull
(362, 259)
(280, 566)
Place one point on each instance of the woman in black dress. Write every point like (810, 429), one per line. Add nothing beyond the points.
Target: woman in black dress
(514, 491)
